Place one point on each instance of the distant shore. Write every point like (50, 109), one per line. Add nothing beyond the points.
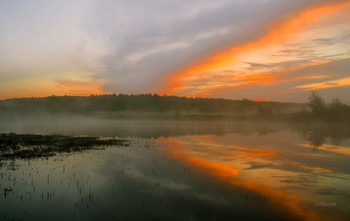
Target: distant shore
(153, 106)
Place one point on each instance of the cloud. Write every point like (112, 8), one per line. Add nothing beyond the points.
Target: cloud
(134, 46)
(79, 88)
(142, 32)
(327, 84)
(284, 87)
(325, 41)
(279, 32)
(60, 83)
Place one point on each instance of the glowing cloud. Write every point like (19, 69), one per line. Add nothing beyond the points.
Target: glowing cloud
(67, 83)
(207, 69)
(79, 88)
(323, 85)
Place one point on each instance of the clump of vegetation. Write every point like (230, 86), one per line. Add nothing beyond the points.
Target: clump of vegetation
(27, 146)
(318, 109)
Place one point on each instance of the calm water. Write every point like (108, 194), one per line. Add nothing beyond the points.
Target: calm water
(182, 171)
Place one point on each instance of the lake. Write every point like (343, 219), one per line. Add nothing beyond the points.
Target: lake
(179, 170)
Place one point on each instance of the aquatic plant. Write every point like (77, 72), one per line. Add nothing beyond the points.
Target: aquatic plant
(26, 146)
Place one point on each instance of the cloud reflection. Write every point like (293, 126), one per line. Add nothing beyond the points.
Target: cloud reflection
(277, 170)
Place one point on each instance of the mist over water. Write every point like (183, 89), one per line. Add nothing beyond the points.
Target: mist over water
(179, 170)
(175, 110)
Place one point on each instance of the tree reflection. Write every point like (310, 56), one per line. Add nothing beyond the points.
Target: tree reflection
(318, 134)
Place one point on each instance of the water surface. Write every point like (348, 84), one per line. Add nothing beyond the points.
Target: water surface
(181, 171)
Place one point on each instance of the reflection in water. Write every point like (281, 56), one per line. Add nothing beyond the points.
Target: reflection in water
(270, 171)
(316, 134)
(189, 171)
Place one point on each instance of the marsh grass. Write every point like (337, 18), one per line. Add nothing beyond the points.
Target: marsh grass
(27, 146)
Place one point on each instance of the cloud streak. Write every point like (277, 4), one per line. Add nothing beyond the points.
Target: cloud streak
(327, 84)
(278, 32)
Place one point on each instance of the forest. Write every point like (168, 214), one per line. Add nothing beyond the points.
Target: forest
(136, 105)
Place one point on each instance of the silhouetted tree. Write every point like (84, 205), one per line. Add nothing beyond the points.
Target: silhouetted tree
(316, 103)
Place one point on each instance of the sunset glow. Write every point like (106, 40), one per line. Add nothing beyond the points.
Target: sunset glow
(258, 50)
(214, 68)
(175, 110)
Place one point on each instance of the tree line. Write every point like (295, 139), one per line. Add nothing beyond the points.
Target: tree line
(315, 109)
(140, 103)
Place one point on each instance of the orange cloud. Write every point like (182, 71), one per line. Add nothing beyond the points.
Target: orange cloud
(322, 169)
(258, 78)
(67, 83)
(220, 82)
(328, 84)
(278, 32)
(306, 65)
(79, 88)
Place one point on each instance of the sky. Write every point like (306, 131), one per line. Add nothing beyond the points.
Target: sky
(255, 49)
